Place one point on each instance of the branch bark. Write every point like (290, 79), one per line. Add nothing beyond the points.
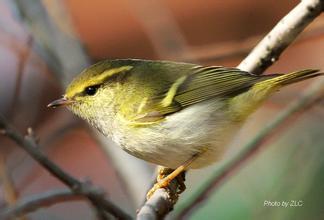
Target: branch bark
(95, 196)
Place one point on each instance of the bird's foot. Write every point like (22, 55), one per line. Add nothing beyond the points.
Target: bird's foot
(165, 176)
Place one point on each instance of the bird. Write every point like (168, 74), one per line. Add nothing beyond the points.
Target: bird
(177, 115)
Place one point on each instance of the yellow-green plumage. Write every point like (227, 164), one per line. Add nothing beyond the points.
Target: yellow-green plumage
(165, 112)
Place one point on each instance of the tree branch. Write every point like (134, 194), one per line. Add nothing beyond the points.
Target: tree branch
(281, 36)
(29, 144)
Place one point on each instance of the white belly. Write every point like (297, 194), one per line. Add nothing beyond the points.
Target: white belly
(201, 128)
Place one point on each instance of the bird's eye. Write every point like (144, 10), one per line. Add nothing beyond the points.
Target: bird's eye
(91, 90)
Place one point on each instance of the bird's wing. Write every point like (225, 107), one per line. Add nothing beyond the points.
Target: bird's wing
(200, 84)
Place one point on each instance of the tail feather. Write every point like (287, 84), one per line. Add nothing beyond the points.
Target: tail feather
(289, 78)
(244, 104)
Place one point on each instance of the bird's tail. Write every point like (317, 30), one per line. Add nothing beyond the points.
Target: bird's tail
(244, 104)
(279, 80)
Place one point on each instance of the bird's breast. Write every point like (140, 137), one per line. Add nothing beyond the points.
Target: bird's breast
(201, 128)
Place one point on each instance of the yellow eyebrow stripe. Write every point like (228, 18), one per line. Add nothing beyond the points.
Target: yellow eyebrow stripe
(109, 73)
(106, 75)
(172, 91)
(96, 80)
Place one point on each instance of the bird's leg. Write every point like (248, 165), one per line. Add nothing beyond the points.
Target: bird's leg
(164, 172)
(166, 175)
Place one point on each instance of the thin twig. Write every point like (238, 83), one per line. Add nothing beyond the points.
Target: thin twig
(32, 203)
(281, 36)
(308, 98)
(29, 144)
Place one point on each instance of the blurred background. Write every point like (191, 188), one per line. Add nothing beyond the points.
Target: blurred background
(45, 43)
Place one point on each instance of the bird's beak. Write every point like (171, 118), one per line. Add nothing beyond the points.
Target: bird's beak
(60, 102)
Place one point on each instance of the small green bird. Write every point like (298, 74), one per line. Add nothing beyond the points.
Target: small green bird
(177, 115)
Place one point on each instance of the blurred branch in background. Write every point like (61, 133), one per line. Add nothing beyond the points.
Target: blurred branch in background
(21, 66)
(42, 200)
(9, 192)
(95, 196)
